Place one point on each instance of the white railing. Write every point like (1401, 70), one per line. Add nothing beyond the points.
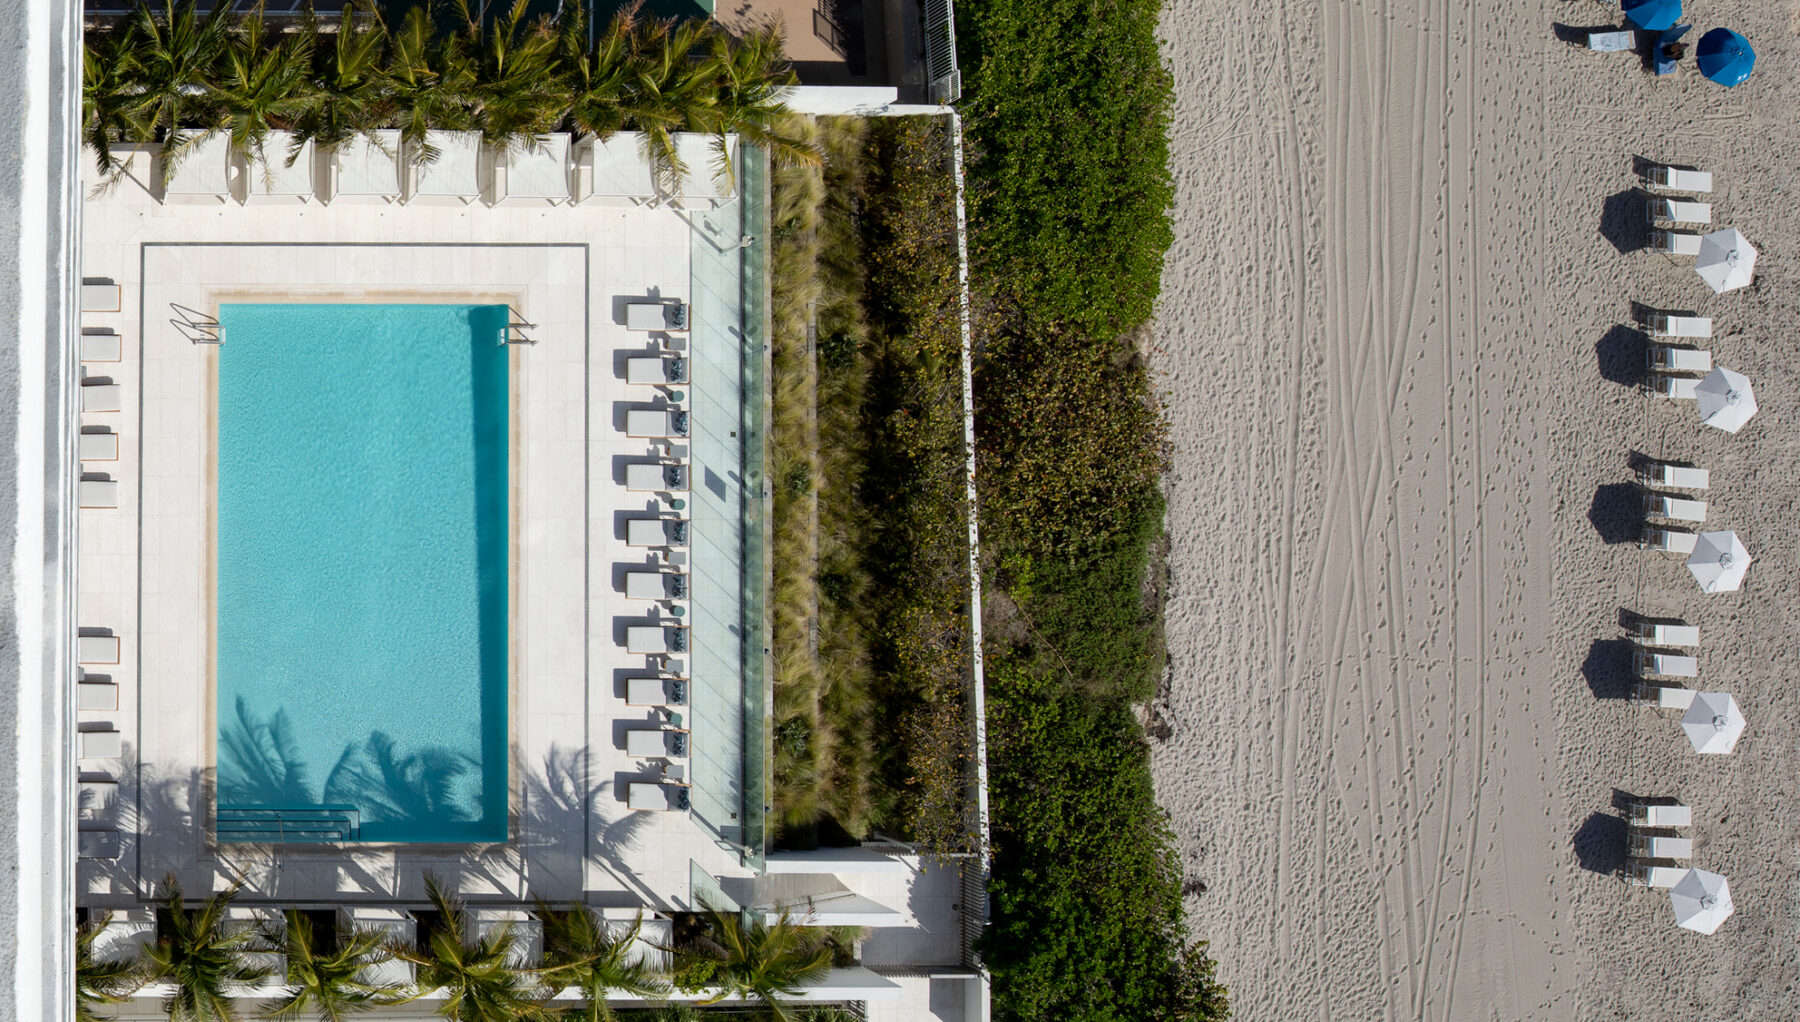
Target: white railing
(943, 76)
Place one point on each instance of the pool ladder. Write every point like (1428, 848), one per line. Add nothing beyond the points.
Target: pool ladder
(288, 823)
(197, 326)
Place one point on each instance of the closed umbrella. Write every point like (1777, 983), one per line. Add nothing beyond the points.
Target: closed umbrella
(1653, 15)
(1725, 399)
(1724, 56)
(1713, 723)
(1727, 260)
(1719, 561)
(1702, 901)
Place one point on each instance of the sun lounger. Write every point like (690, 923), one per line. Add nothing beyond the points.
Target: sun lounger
(656, 476)
(655, 532)
(1680, 211)
(1668, 665)
(656, 315)
(655, 692)
(97, 446)
(1674, 477)
(97, 844)
(655, 370)
(95, 794)
(657, 798)
(101, 346)
(1671, 179)
(1664, 697)
(1649, 875)
(96, 695)
(97, 649)
(1672, 541)
(97, 493)
(1681, 243)
(656, 423)
(655, 639)
(100, 297)
(1646, 814)
(1658, 846)
(1680, 326)
(1658, 634)
(1676, 388)
(655, 585)
(1668, 358)
(101, 397)
(99, 745)
(656, 743)
(1611, 42)
(1677, 509)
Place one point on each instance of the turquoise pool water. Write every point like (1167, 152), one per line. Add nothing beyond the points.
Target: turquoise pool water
(361, 633)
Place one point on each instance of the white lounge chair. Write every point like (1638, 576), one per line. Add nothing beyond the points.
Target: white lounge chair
(1611, 42)
(655, 585)
(101, 397)
(1668, 358)
(96, 695)
(97, 649)
(1659, 846)
(1671, 179)
(656, 743)
(1655, 633)
(656, 423)
(655, 370)
(1677, 509)
(97, 843)
(1680, 326)
(1679, 211)
(97, 493)
(654, 640)
(99, 745)
(1676, 388)
(655, 692)
(1648, 814)
(656, 532)
(663, 316)
(101, 346)
(656, 477)
(1669, 541)
(1645, 874)
(102, 297)
(94, 794)
(97, 446)
(1674, 477)
(1668, 665)
(657, 797)
(1681, 243)
(1664, 697)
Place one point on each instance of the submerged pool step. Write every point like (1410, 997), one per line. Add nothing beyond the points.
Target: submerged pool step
(288, 823)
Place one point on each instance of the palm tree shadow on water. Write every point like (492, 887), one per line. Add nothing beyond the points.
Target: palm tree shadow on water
(259, 762)
(413, 791)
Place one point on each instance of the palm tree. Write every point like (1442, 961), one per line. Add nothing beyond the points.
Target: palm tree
(112, 97)
(262, 84)
(757, 959)
(100, 982)
(668, 91)
(351, 88)
(579, 952)
(519, 92)
(753, 75)
(329, 986)
(479, 983)
(201, 957)
(429, 82)
(178, 53)
(599, 76)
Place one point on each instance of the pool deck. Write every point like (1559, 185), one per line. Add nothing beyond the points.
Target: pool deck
(144, 573)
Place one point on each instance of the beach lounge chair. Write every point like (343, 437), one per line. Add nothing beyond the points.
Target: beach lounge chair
(655, 585)
(96, 695)
(1617, 41)
(100, 297)
(656, 423)
(97, 493)
(1663, 697)
(655, 692)
(1664, 325)
(1676, 388)
(97, 649)
(1669, 665)
(656, 476)
(1681, 243)
(1679, 211)
(101, 397)
(93, 794)
(655, 370)
(655, 532)
(99, 745)
(1678, 509)
(1656, 633)
(1672, 179)
(100, 346)
(97, 843)
(97, 446)
(655, 639)
(656, 743)
(1675, 477)
(656, 797)
(1668, 358)
(1669, 541)
(1650, 814)
(1645, 874)
(656, 315)
(1660, 846)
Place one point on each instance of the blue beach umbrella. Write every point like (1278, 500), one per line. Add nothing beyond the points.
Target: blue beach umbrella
(1725, 56)
(1653, 15)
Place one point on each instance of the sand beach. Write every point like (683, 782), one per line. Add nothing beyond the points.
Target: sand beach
(1397, 341)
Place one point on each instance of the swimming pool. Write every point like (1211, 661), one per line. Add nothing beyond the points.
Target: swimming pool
(361, 545)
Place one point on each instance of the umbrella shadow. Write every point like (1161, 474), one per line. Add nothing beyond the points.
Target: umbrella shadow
(1607, 668)
(1617, 513)
(1620, 355)
(1600, 844)
(1623, 220)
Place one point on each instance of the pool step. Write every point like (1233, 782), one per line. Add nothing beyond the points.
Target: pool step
(314, 823)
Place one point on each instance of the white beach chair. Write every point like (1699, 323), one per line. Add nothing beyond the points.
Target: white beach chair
(655, 370)
(655, 692)
(656, 532)
(97, 494)
(657, 797)
(656, 423)
(1675, 477)
(1611, 42)
(97, 446)
(1680, 243)
(654, 640)
(656, 743)
(93, 794)
(1671, 179)
(100, 346)
(1680, 211)
(98, 843)
(1676, 388)
(1669, 541)
(1664, 697)
(101, 397)
(100, 696)
(1648, 814)
(97, 649)
(1644, 874)
(1660, 846)
(102, 297)
(99, 745)
(1664, 325)
(1677, 509)
(656, 477)
(1668, 665)
(1668, 358)
(1656, 633)
(658, 316)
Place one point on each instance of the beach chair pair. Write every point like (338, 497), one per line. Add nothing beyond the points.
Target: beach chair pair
(656, 585)
(1664, 178)
(656, 692)
(656, 532)
(1671, 358)
(655, 370)
(656, 477)
(1668, 475)
(1678, 509)
(658, 797)
(1663, 324)
(657, 743)
(656, 423)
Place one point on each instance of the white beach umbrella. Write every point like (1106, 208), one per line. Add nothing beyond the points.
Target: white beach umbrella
(1713, 723)
(1727, 260)
(1719, 561)
(1702, 900)
(1725, 399)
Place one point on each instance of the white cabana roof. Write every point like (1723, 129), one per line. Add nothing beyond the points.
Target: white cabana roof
(457, 169)
(368, 166)
(205, 169)
(618, 166)
(698, 154)
(272, 177)
(541, 173)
